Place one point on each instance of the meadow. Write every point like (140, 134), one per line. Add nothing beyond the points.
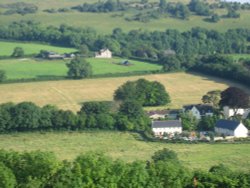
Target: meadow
(184, 88)
(30, 68)
(30, 48)
(126, 146)
(109, 21)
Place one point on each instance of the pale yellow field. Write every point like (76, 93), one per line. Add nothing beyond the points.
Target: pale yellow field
(183, 88)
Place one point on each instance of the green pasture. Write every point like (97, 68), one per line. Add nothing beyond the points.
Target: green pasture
(127, 147)
(236, 57)
(6, 48)
(31, 68)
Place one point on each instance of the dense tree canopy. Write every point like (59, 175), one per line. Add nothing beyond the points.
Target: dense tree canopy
(18, 52)
(79, 68)
(146, 92)
(234, 98)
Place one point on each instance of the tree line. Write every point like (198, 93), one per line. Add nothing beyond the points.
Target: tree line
(164, 169)
(26, 116)
(19, 8)
(137, 43)
(126, 114)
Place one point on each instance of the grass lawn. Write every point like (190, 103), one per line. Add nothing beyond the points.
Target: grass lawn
(69, 94)
(30, 68)
(125, 146)
(30, 48)
(239, 56)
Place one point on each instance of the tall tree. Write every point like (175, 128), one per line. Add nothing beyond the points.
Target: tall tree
(18, 52)
(212, 97)
(234, 98)
(79, 68)
(2, 75)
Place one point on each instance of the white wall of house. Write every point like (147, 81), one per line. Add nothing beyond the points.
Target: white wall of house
(195, 112)
(241, 131)
(229, 112)
(226, 132)
(168, 130)
(104, 54)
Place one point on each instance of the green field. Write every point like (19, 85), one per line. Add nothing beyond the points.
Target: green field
(30, 48)
(69, 94)
(239, 56)
(109, 22)
(30, 68)
(125, 146)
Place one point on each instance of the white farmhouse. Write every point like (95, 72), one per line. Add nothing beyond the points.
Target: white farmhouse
(199, 110)
(103, 53)
(231, 128)
(169, 127)
(229, 112)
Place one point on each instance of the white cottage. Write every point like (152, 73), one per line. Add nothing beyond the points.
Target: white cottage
(199, 110)
(231, 128)
(229, 112)
(169, 127)
(103, 53)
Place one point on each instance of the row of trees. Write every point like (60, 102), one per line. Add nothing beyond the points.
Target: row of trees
(143, 44)
(27, 116)
(19, 8)
(42, 169)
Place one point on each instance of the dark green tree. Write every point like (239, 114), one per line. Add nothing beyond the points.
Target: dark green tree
(2, 75)
(7, 178)
(212, 97)
(84, 50)
(165, 154)
(145, 92)
(234, 98)
(79, 68)
(18, 52)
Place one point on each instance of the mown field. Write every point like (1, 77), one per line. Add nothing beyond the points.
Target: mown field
(106, 22)
(183, 88)
(126, 146)
(30, 48)
(30, 68)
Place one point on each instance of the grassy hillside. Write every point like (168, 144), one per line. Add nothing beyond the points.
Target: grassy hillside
(69, 94)
(30, 48)
(126, 147)
(109, 21)
(30, 68)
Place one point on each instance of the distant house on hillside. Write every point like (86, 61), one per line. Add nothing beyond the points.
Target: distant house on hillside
(231, 128)
(53, 55)
(168, 127)
(229, 112)
(103, 53)
(199, 110)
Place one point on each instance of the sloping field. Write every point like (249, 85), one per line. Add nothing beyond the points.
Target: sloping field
(109, 21)
(30, 68)
(30, 48)
(69, 94)
(125, 146)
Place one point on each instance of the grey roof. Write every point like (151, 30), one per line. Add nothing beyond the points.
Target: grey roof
(203, 108)
(164, 124)
(227, 124)
(164, 112)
